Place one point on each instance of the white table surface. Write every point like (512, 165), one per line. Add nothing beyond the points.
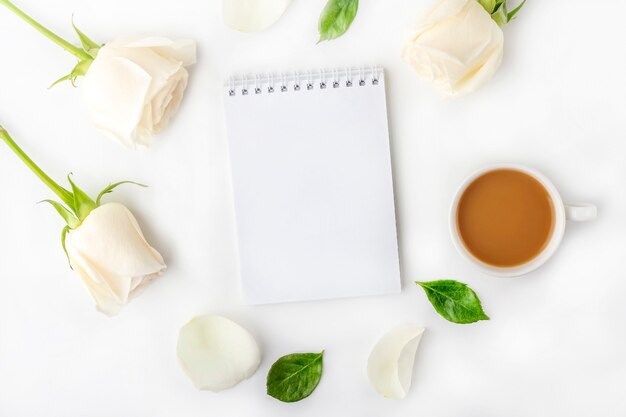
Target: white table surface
(556, 339)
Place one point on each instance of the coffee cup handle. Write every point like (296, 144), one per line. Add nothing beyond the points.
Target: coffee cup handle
(580, 212)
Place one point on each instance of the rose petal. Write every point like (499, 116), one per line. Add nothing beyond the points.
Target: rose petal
(166, 102)
(253, 15)
(110, 254)
(217, 353)
(183, 50)
(390, 365)
(457, 46)
(115, 91)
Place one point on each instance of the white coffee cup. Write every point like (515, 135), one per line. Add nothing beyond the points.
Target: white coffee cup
(562, 213)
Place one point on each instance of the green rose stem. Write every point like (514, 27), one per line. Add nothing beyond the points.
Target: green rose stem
(74, 50)
(79, 204)
(66, 196)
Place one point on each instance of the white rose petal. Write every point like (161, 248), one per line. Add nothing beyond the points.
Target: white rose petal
(179, 50)
(217, 353)
(110, 254)
(253, 15)
(457, 46)
(390, 365)
(135, 85)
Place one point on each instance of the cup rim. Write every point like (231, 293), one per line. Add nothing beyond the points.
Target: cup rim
(548, 250)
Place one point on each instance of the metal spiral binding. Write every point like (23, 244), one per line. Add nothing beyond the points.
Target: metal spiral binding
(304, 81)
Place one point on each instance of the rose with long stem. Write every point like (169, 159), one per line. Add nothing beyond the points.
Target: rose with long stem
(103, 242)
(132, 86)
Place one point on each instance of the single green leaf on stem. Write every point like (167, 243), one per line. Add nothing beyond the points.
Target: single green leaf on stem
(67, 215)
(294, 377)
(83, 204)
(111, 187)
(454, 301)
(61, 192)
(336, 18)
(64, 233)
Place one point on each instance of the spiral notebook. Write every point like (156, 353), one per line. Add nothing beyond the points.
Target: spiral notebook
(312, 185)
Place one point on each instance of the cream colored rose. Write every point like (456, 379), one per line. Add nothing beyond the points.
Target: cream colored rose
(457, 46)
(111, 256)
(135, 85)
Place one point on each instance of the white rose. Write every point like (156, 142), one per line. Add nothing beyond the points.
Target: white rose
(111, 256)
(135, 85)
(458, 46)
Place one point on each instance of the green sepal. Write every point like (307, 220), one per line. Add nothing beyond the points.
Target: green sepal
(67, 215)
(498, 10)
(111, 187)
(488, 5)
(64, 233)
(499, 14)
(78, 71)
(89, 45)
(83, 204)
(67, 198)
(513, 12)
(67, 77)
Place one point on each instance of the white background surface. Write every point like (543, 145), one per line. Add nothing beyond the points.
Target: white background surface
(555, 343)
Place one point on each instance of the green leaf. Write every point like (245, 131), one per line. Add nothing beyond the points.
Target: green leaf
(67, 215)
(83, 204)
(89, 46)
(78, 71)
(111, 187)
(64, 233)
(513, 12)
(454, 301)
(336, 18)
(294, 377)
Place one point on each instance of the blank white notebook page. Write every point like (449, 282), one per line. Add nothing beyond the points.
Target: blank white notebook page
(312, 186)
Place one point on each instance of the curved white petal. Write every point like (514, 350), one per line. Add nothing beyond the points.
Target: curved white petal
(390, 365)
(253, 15)
(110, 254)
(217, 353)
(116, 91)
(183, 50)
